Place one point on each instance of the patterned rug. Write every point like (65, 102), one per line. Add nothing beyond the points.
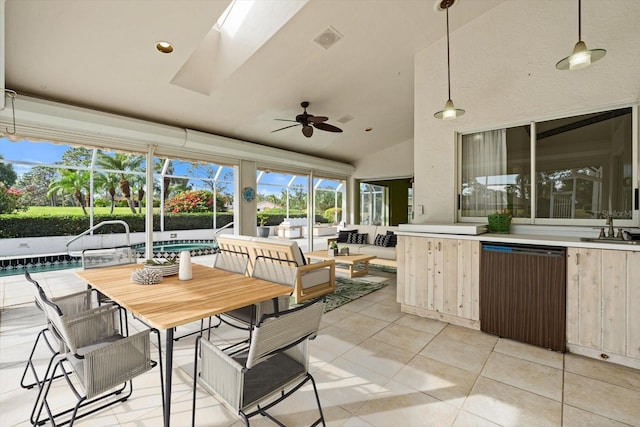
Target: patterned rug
(348, 290)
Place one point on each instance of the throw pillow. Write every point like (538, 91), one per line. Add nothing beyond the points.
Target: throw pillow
(343, 235)
(379, 240)
(362, 238)
(392, 240)
(352, 238)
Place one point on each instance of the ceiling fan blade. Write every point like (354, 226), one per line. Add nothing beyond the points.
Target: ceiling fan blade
(286, 120)
(307, 131)
(286, 127)
(327, 127)
(317, 119)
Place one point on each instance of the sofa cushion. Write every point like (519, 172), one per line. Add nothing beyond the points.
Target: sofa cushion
(288, 245)
(315, 277)
(343, 235)
(378, 251)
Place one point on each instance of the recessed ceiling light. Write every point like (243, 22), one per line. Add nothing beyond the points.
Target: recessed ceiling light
(164, 47)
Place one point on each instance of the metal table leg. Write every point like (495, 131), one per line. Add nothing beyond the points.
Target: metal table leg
(167, 377)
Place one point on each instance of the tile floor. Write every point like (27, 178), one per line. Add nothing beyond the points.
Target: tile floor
(374, 366)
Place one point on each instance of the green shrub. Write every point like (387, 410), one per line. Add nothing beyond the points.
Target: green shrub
(190, 201)
(10, 200)
(101, 203)
(329, 214)
(15, 226)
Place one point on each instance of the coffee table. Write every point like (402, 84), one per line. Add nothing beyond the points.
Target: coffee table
(358, 264)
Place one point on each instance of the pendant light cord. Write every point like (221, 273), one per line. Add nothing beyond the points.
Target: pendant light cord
(448, 59)
(579, 20)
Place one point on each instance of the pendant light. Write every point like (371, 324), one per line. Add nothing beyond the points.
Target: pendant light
(581, 56)
(449, 112)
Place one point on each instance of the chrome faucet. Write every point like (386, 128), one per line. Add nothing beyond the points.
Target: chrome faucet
(611, 233)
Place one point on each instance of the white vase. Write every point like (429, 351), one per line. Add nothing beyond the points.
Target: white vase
(184, 272)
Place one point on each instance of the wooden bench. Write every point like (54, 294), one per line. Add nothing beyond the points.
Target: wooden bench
(312, 280)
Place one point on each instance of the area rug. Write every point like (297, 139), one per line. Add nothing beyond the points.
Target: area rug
(348, 290)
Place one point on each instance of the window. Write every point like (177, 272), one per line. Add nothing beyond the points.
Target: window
(583, 169)
(373, 204)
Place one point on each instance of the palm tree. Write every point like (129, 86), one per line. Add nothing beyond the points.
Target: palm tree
(71, 182)
(108, 182)
(122, 162)
(139, 182)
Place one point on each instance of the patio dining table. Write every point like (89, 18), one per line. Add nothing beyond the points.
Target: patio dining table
(173, 302)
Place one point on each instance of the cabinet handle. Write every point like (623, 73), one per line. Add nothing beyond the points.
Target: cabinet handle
(439, 246)
(577, 259)
(429, 246)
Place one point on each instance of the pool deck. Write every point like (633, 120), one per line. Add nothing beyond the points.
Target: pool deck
(14, 290)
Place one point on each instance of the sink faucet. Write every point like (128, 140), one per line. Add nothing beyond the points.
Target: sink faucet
(611, 234)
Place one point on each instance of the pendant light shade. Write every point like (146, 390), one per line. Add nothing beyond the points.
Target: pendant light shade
(449, 112)
(581, 57)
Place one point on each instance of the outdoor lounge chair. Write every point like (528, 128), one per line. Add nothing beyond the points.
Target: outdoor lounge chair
(104, 362)
(71, 304)
(274, 366)
(234, 262)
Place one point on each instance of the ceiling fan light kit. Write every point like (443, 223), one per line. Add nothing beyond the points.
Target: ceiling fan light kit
(449, 112)
(581, 57)
(308, 122)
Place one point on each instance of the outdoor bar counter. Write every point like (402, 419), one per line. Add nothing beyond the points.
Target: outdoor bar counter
(439, 269)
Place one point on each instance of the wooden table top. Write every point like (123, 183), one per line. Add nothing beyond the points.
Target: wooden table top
(173, 302)
(345, 259)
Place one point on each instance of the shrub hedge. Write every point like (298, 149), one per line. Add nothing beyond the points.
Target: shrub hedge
(14, 226)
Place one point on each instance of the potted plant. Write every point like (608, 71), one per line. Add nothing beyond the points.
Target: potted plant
(344, 250)
(500, 222)
(333, 248)
(263, 229)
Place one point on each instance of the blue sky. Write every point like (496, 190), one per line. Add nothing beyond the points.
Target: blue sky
(49, 153)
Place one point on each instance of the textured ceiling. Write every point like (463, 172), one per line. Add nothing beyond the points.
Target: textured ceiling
(100, 54)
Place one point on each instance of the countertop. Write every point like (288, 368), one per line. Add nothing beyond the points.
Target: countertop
(528, 239)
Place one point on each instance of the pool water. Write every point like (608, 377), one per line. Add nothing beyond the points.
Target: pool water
(180, 247)
(168, 249)
(40, 264)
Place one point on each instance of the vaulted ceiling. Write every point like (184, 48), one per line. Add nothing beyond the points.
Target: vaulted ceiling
(237, 81)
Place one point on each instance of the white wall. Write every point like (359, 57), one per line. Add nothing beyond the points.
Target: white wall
(503, 73)
(393, 162)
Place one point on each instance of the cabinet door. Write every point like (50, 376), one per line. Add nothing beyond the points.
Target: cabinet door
(603, 295)
(413, 270)
(439, 277)
(584, 320)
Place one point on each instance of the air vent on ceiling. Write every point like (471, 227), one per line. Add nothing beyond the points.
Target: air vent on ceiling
(345, 119)
(328, 38)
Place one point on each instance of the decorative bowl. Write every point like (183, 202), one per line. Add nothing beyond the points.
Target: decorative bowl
(165, 268)
(145, 276)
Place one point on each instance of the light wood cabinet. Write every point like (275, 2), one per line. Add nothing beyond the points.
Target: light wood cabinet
(603, 304)
(438, 278)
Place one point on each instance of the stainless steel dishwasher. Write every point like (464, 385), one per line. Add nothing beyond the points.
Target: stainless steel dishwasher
(523, 293)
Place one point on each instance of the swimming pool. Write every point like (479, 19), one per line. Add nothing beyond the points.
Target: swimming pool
(44, 263)
(166, 249)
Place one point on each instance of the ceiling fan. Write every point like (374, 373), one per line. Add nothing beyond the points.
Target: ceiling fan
(308, 122)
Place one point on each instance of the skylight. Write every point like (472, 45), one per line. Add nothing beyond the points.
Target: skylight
(232, 17)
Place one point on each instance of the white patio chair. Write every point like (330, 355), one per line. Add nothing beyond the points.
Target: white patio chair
(275, 363)
(103, 360)
(71, 304)
(234, 262)
(109, 257)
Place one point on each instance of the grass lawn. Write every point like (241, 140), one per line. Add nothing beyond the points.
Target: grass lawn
(39, 211)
